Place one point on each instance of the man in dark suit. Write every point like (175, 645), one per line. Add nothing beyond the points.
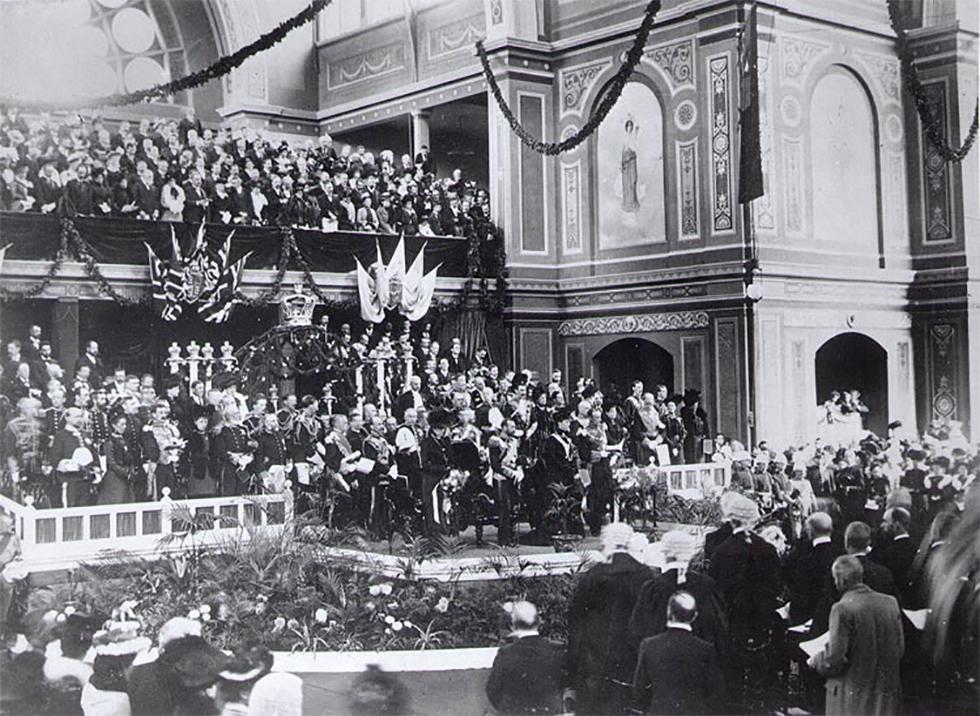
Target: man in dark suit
(746, 570)
(676, 672)
(72, 475)
(411, 398)
(857, 543)
(526, 674)
(559, 465)
(600, 657)
(424, 159)
(650, 614)
(808, 565)
(195, 199)
(94, 362)
(898, 552)
(146, 196)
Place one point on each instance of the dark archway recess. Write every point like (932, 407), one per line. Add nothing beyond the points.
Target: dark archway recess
(628, 359)
(852, 361)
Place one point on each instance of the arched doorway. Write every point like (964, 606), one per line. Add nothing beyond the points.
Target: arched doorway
(852, 361)
(628, 359)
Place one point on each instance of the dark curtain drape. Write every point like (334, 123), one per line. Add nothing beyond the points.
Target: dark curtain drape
(121, 241)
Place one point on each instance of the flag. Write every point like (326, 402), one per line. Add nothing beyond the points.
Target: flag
(163, 294)
(413, 279)
(174, 281)
(212, 268)
(216, 308)
(395, 276)
(750, 181)
(371, 308)
(418, 288)
(423, 296)
(380, 286)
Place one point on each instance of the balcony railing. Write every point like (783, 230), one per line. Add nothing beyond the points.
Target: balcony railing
(62, 538)
(115, 240)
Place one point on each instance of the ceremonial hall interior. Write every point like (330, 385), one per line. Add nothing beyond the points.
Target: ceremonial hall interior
(458, 303)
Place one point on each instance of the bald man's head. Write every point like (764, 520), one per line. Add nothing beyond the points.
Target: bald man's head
(819, 524)
(682, 608)
(899, 519)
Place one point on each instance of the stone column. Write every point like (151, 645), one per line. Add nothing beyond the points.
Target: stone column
(420, 130)
(65, 332)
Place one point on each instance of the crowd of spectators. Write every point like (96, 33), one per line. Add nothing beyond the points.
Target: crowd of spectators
(77, 662)
(872, 523)
(170, 170)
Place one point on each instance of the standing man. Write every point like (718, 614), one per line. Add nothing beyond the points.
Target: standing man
(232, 454)
(695, 427)
(601, 658)
(407, 455)
(808, 565)
(559, 466)
(73, 458)
(24, 443)
(861, 660)
(676, 672)
(898, 551)
(507, 475)
(94, 362)
(434, 453)
(526, 674)
(746, 569)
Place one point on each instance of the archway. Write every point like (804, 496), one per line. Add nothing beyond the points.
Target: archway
(628, 359)
(853, 361)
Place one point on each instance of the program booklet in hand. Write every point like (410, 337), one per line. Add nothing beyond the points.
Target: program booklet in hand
(815, 646)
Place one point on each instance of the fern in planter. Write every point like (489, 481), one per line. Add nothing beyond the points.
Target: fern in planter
(564, 514)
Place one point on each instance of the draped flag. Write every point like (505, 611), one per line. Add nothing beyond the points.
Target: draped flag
(418, 289)
(372, 309)
(750, 179)
(391, 287)
(216, 308)
(162, 296)
(201, 277)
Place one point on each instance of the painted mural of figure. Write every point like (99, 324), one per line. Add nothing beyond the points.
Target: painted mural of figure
(631, 202)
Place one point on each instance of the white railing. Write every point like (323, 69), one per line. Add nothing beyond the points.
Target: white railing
(61, 538)
(698, 480)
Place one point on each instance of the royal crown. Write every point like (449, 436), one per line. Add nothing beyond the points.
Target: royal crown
(296, 308)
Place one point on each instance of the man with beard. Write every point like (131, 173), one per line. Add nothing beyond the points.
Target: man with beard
(161, 445)
(507, 475)
(232, 454)
(73, 459)
(601, 656)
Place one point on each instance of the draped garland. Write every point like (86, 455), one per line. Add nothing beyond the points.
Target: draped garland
(219, 68)
(74, 246)
(933, 125)
(608, 101)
